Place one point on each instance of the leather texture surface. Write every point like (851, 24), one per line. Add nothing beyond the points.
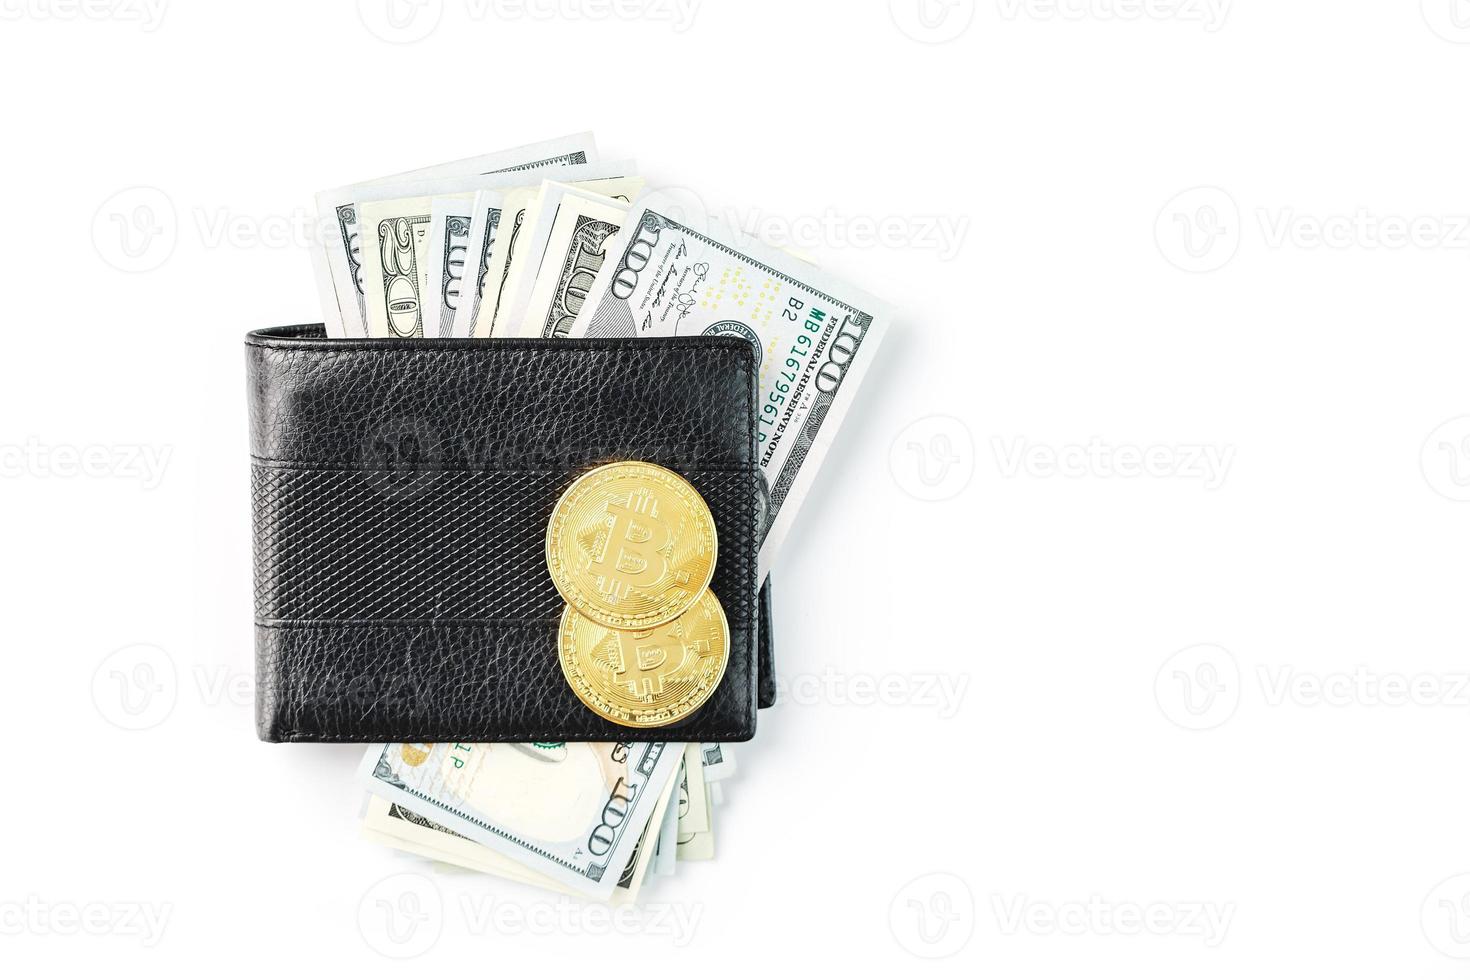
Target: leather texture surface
(400, 495)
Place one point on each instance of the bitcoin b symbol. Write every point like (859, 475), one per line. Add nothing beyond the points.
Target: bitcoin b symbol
(641, 657)
(633, 555)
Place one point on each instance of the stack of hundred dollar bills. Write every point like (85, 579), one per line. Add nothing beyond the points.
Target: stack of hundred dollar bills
(584, 818)
(548, 241)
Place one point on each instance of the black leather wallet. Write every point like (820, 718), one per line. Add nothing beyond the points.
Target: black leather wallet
(401, 491)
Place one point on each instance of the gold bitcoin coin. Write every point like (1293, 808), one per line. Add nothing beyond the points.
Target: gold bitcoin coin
(646, 678)
(631, 545)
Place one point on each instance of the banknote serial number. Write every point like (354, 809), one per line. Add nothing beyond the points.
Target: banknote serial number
(800, 367)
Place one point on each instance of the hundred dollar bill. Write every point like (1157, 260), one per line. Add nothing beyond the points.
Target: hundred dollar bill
(515, 215)
(325, 289)
(814, 336)
(442, 284)
(630, 882)
(667, 855)
(562, 253)
(399, 827)
(395, 219)
(393, 264)
(484, 222)
(578, 227)
(693, 801)
(575, 814)
(719, 761)
(520, 246)
(698, 845)
(339, 274)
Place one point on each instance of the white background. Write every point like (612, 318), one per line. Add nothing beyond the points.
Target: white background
(1209, 720)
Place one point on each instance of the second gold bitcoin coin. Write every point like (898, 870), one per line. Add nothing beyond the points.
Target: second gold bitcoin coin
(631, 545)
(646, 678)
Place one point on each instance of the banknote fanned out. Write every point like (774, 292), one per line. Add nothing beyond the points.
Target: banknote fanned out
(340, 277)
(442, 284)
